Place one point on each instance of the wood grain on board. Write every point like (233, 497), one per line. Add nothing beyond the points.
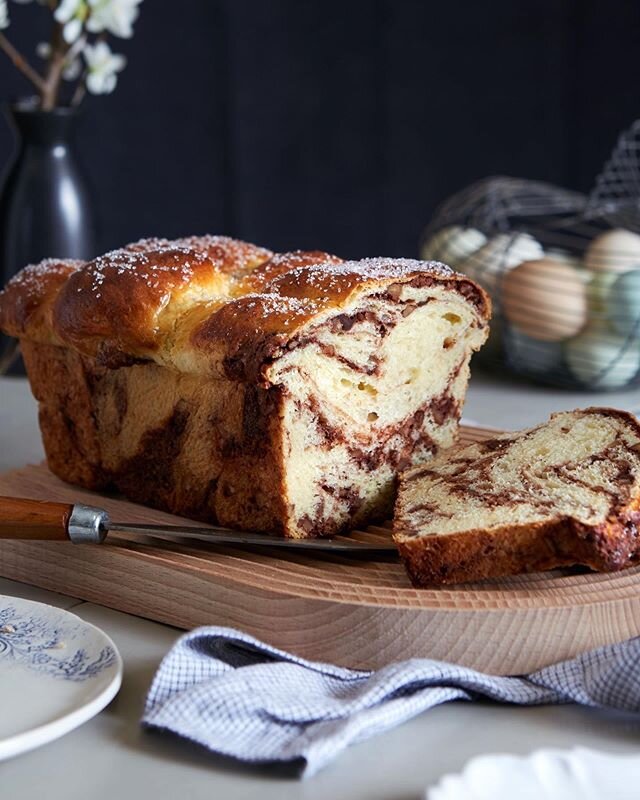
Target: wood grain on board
(343, 609)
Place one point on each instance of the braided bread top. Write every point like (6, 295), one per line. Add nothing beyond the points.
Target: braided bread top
(202, 303)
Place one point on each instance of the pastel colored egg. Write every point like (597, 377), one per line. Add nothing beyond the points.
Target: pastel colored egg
(453, 244)
(602, 360)
(545, 299)
(614, 251)
(532, 355)
(598, 292)
(569, 258)
(499, 255)
(622, 305)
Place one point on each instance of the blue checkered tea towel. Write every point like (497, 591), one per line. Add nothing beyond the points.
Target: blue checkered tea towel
(242, 698)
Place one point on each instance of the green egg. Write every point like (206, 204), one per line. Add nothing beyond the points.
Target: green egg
(622, 304)
(598, 290)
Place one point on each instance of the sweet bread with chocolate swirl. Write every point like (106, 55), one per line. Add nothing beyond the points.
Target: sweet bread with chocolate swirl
(563, 493)
(220, 381)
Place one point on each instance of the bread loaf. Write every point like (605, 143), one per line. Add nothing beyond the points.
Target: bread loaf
(216, 380)
(563, 493)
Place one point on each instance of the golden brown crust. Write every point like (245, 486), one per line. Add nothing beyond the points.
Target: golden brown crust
(62, 384)
(115, 304)
(27, 300)
(262, 277)
(229, 256)
(478, 554)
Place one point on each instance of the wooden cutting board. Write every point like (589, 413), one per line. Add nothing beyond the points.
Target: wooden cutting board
(331, 608)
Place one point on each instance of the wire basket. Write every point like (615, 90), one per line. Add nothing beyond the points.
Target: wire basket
(562, 269)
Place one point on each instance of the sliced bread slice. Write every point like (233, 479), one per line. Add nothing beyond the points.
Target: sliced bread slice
(564, 493)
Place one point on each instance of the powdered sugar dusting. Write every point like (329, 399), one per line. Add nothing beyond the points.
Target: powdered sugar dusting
(34, 278)
(375, 269)
(166, 264)
(158, 268)
(316, 279)
(324, 281)
(271, 301)
(310, 284)
(46, 266)
(398, 267)
(222, 250)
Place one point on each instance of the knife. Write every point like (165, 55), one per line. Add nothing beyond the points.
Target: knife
(23, 519)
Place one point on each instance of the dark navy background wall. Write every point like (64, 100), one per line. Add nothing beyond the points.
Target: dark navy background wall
(341, 124)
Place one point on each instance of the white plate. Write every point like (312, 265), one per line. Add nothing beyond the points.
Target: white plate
(578, 774)
(56, 672)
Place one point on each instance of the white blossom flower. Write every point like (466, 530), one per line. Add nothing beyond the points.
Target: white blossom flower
(115, 16)
(102, 66)
(72, 64)
(4, 15)
(71, 14)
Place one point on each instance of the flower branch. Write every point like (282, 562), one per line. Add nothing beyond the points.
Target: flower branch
(55, 68)
(20, 63)
(79, 32)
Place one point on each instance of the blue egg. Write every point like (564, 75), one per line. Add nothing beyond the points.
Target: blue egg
(622, 304)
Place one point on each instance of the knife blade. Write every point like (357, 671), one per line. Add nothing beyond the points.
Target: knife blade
(218, 535)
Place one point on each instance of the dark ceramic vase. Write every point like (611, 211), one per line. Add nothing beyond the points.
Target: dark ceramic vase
(45, 205)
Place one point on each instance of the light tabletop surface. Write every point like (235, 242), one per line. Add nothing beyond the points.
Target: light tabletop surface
(111, 756)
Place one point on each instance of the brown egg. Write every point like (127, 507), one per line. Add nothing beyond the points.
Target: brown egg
(545, 299)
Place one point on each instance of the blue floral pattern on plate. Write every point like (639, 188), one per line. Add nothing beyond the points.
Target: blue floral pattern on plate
(34, 642)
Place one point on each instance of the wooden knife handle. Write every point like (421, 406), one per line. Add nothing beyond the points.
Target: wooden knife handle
(34, 519)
